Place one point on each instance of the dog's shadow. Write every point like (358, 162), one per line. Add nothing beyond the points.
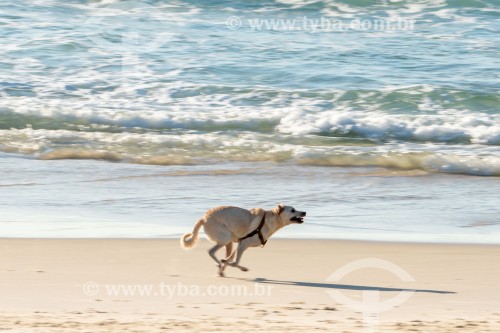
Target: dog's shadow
(341, 286)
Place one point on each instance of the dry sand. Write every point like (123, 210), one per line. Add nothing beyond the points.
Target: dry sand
(151, 285)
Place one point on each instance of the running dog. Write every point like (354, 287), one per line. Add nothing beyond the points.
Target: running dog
(224, 225)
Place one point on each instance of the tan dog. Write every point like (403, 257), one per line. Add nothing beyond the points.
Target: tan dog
(226, 224)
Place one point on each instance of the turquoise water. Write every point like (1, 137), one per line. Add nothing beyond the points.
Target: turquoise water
(314, 91)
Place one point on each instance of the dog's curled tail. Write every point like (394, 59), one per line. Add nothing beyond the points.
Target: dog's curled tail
(189, 240)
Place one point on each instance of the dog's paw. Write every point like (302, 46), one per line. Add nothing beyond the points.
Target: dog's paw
(221, 274)
(244, 269)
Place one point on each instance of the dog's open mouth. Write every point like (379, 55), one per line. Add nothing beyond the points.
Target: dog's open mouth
(297, 219)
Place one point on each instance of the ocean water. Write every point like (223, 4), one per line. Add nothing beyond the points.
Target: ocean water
(131, 118)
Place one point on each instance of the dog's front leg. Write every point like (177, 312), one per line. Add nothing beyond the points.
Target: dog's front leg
(242, 246)
(229, 257)
(229, 251)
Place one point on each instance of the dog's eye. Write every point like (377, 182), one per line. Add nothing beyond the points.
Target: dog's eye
(293, 210)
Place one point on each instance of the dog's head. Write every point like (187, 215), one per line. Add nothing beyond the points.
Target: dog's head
(288, 214)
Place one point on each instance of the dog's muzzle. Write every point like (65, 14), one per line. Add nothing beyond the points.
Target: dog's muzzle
(299, 219)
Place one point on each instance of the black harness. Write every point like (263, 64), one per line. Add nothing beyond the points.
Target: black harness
(257, 232)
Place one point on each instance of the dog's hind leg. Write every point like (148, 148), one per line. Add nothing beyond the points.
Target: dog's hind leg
(211, 252)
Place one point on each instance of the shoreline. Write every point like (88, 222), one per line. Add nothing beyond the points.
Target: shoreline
(290, 284)
(118, 200)
(202, 237)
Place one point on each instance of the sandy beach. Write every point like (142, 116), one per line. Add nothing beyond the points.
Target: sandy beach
(151, 285)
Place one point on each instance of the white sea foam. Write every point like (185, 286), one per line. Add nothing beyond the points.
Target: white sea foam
(198, 148)
(444, 127)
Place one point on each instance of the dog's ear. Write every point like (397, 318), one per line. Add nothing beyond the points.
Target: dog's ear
(278, 209)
